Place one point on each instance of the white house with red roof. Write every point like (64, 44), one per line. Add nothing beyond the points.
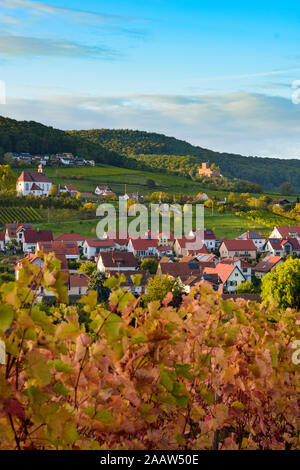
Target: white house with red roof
(229, 274)
(104, 191)
(2, 241)
(244, 267)
(238, 249)
(282, 247)
(30, 239)
(285, 232)
(116, 261)
(258, 240)
(143, 247)
(93, 246)
(15, 231)
(33, 183)
(68, 249)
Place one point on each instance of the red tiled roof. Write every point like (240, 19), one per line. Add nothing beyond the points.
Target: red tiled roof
(35, 236)
(70, 237)
(244, 263)
(267, 264)
(285, 232)
(239, 245)
(59, 247)
(78, 280)
(33, 177)
(71, 187)
(95, 242)
(117, 259)
(12, 229)
(222, 270)
(141, 244)
(250, 236)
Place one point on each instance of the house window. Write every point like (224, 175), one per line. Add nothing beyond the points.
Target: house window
(79, 290)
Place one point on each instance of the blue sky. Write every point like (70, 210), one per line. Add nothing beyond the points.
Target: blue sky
(217, 74)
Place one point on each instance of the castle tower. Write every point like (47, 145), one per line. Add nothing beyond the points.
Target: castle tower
(41, 168)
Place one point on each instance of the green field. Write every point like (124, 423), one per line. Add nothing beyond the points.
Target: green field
(224, 225)
(87, 179)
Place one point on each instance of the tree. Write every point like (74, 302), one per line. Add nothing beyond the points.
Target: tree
(150, 183)
(286, 188)
(246, 288)
(7, 179)
(53, 190)
(97, 283)
(88, 268)
(158, 287)
(150, 265)
(283, 284)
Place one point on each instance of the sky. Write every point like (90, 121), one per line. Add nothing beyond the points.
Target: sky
(221, 75)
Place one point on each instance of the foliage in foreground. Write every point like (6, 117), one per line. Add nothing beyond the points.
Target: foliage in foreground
(211, 374)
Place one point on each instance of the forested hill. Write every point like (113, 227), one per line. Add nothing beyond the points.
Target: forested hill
(35, 138)
(161, 150)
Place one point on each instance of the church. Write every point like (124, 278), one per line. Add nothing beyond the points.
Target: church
(33, 183)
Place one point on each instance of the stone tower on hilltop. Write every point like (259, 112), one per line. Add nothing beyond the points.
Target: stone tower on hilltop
(211, 172)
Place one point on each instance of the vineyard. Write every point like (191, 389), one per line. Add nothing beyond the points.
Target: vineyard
(19, 214)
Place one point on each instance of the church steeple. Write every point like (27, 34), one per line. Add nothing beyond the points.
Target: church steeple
(40, 168)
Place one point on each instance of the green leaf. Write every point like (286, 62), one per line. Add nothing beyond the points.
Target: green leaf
(166, 379)
(61, 366)
(183, 370)
(60, 389)
(105, 416)
(6, 316)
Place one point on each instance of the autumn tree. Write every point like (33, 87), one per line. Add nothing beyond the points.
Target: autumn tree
(150, 265)
(283, 284)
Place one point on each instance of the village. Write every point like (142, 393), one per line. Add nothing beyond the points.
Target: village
(226, 264)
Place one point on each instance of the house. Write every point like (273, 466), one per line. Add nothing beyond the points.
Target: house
(209, 239)
(32, 259)
(181, 270)
(243, 266)
(33, 183)
(129, 283)
(207, 258)
(78, 285)
(258, 240)
(202, 197)
(286, 232)
(116, 261)
(93, 246)
(2, 241)
(238, 249)
(280, 202)
(229, 274)
(30, 239)
(143, 248)
(189, 245)
(127, 196)
(279, 247)
(15, 231)
(71, 189)
(166, 239)
(205, 170)
(71, 237)
(68, 249)
(164, 251)
(268, 264)
(104, 191)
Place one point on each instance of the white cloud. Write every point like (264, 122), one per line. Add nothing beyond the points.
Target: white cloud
(245, 123)
(25, 46)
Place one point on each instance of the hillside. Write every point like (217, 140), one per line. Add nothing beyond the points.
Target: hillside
(35, 138)
(158, 150)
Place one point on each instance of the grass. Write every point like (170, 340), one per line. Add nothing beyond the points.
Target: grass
(87, 178)
(226, 225)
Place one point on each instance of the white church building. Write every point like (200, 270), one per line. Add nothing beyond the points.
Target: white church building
(34, 183)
